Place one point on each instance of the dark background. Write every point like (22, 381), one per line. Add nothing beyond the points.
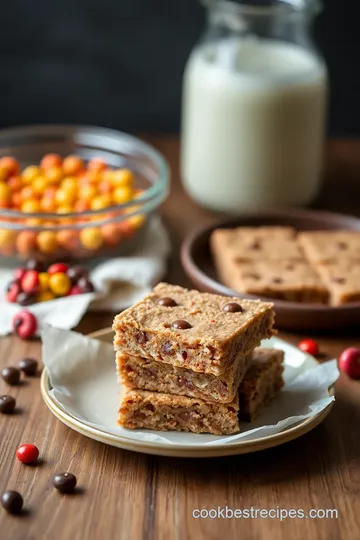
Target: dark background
(119, 63)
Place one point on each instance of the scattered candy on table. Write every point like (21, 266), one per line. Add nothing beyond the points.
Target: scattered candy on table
(11, 375)
(7, 404)
(309, 346)
(28, 366)
(65, 186)
(24, 324)
(35, 284)
(349, 362)
(64, 482)
(27, 453)
(12, 502)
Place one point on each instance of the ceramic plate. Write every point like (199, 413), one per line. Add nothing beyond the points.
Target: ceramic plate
(103, 434)
(199, 266)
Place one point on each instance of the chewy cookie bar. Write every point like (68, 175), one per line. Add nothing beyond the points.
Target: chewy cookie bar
(287, 280)
(329, 246)
(262, 382)
(200, 331)
(166, 412)
(146, 374)
(255, 244)
(342, 279)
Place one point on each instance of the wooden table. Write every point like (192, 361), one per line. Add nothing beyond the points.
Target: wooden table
(132, 496)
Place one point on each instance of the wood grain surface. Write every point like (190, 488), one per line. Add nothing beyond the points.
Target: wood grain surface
(123, 495)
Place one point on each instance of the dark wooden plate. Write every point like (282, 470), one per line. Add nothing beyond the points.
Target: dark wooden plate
(198, 264)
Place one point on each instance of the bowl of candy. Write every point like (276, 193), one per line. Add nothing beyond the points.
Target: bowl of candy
(73, 192)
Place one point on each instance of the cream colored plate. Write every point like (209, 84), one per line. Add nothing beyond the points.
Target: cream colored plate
(241, 447)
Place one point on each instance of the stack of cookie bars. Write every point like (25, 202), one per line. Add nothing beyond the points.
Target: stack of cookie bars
(187, 361)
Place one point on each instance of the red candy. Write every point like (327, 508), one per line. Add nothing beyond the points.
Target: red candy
(24, 324)
(27, 453)
(19, 274)
(30, 281)
(309, 346)
(58, 267)
(349, 362)
(75, 289)
(13, 292)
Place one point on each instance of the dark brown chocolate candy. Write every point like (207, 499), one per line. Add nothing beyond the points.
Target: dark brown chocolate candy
(33, 264)
(12, 501)
(26, 299)
(11, 375)
(7, 404)
(232, 307)
(85, 285)
(77, 272)
(28, 366)
(64, 482)
(167, 302)
(181, 325)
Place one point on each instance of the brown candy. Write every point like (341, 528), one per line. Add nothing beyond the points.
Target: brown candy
(11, 375)
(12, 502)
(181, 325)
(232, 307)
(7, 404)
(166, 302)
(28, 366)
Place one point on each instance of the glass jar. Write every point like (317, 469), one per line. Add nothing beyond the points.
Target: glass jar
(254, 100)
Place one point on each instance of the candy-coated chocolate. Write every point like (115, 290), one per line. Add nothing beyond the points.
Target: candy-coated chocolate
(58, 267)
(91, 238)
(24, 324)
(30, 282)
(60, 283)
(12, 502)
(10, 164)
(10, 375)
(26, 242)
(51, 160)
(46, 241)
(72, 165)
(45, 296)
(349, 362)
(27, 453)
(309, 346)
(7, 404)
(64, 482)
(28, 366)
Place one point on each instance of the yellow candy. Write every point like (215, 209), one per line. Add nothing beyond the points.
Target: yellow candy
(87, 193)
(91, 238)
(69, 186)
(7, 238)
(4, 192)
(46, 241)
(64, 198)
(45, 296)
(31, 206)
(100, 202)
(44, 281)
(29, 174)
(39, 185)
(53, 175)
(60, 284)
(122, 178)
(122, 195)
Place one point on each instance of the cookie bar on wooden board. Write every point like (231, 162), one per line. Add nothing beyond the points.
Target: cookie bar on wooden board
(261, 383)
(200, 331)
(330, 246)
(293, 281)
(255, 244)
(146, 374)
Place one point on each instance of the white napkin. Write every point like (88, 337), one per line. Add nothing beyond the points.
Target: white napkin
(82, 374)
(119, 282)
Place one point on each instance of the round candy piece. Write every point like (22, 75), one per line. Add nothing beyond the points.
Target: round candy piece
(58, 267)
(309, 346)
(19, 274)
(28, 366)
(24, 324)
(26, 299)
(232, 307)
(12, 502)
(33, 264)
(13, 292)
(166, 302)
(10, 375)
(7, 404)
(30, 282)
(64, 482)
(27, 453)
(85, 285)
(181, 325)
(75, 289)
(60, 283)
(349, 362)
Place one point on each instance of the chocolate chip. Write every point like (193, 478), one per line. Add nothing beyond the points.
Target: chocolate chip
(26, 299)
(33, 264)
(289, 267)
(141, 338)
(167, 347)
(77, 272)
(252, 275)
(181, 325)
(166, 302)
(7, 404)
(28, 366)
(11, 375)
(12, 501)
(64, 482)
(342, 245)
(339, 280)
(184, 355)
(255, 245)
(277, 280)
(85, 285)
(232, 307)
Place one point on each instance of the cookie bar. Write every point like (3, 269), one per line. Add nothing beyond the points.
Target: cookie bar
(146, 374)
(330, 246)
(294, 281)
(166, 412)
(342, 279)
(262, 381)
(200, 331)
(254, 244)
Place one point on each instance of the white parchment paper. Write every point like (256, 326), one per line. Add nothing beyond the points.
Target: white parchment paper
(83, 377)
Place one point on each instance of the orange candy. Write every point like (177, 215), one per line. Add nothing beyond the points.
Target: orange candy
(81, 206)
(126, 229)
(97, 164)
(46, 241)
(7, 238)
(4, 192)
(111, 234)
(68, 239)
(27, 193)
(105, 187)
(72, 165)
(15, 200)
(14, 183)
(47, 204)
(10, 165)
(31, 206)
(53, 175)
(50, 160)
(100, 202)
(29, 174)
(87, 193)
(39, 185)
(26, 242)
(91, 238)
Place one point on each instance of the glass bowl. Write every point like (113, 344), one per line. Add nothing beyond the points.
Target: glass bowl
(112, 231)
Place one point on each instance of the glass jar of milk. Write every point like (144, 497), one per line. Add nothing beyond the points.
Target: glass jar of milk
(254, 101)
